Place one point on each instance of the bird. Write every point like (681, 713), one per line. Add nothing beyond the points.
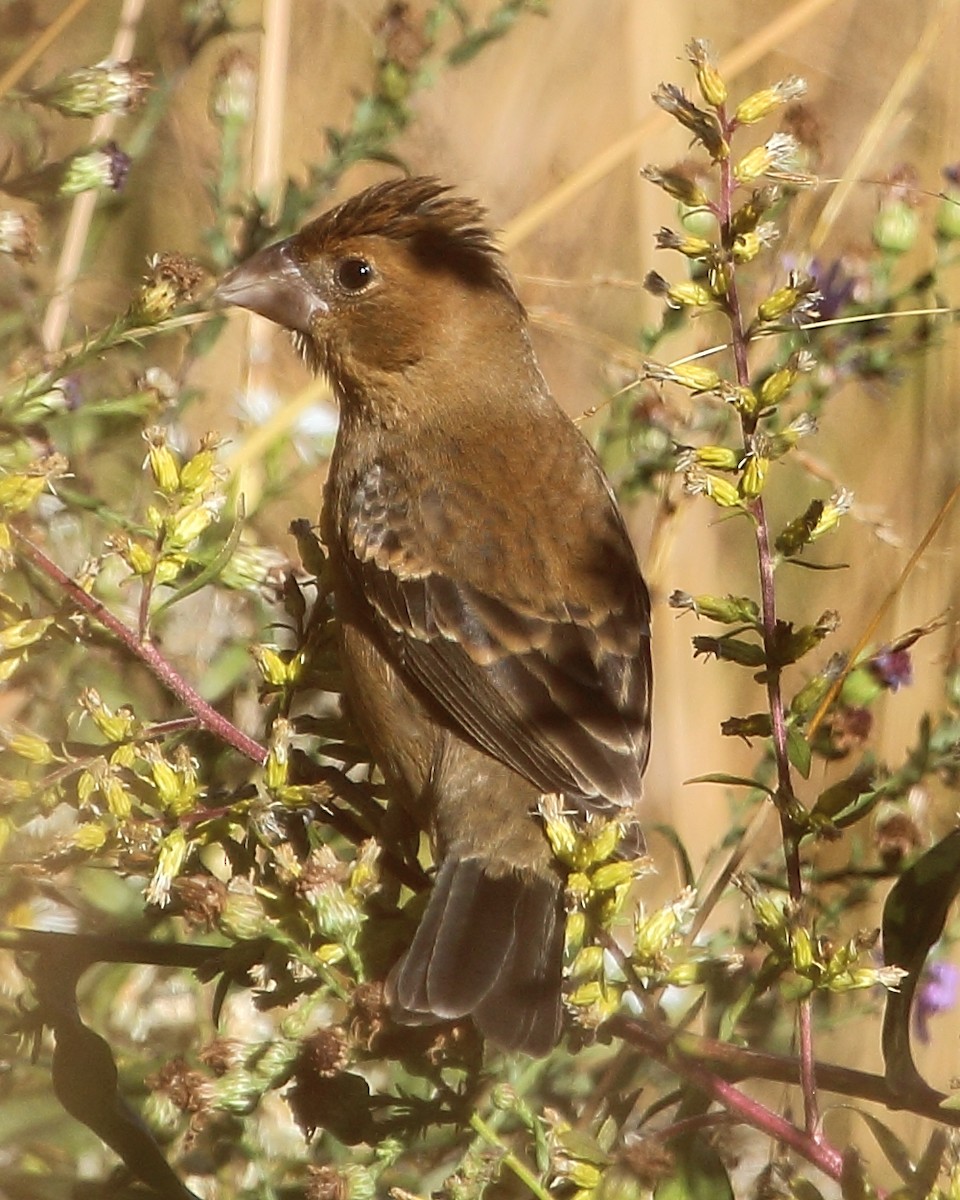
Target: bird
(494, 624)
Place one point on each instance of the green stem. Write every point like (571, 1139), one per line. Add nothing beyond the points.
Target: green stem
(509, 1160)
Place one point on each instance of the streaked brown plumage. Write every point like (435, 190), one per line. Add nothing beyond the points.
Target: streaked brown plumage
(495, 626)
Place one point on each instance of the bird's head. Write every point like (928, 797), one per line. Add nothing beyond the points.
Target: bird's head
(401, 273)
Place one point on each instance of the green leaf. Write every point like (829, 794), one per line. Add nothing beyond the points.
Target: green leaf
(842, 795)
(669, 834)
(798, 751)
(894, 1150)
(211, 571)
(731, 780)
(913, 919)
(812, 566)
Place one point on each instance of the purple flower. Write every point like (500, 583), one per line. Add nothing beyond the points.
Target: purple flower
(938, 992)
(892, 668)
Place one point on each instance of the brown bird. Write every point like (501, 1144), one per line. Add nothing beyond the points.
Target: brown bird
(494, 622)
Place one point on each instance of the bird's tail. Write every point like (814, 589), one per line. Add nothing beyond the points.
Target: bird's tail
(490, 946)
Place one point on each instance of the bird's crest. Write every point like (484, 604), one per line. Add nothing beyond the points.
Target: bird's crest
(439, 227)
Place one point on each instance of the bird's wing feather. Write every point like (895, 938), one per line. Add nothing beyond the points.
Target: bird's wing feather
(557, 691)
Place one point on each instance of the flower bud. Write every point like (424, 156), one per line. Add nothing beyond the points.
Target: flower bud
(689, 246)
(106, 167)
(695, 376)
(242, 916)
(896, 227)
(678, 184)
(90, 836)
(612, 875)
(801, 951)
(730, 610)
(118, 798)
(761, 104)
(686, 294)
(588, 963)
(703, 125)
(721, 491)
(778, 153)
(115, 726)
(162, 460)
(235, 88)
(711, 84)
(717, 458)
(754, 475)
(24, 633)
(947, 218)
(200, 473)
(28, 746)
(18, 234)
(108, 87)
(173, 851)
(172, 280)
(836, 507)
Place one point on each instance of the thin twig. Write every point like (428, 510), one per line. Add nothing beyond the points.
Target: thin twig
(768, 609)
(661, 1045)
(509, 1160)
(147, 653)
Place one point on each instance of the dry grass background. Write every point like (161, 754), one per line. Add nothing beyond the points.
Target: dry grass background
(523, 127)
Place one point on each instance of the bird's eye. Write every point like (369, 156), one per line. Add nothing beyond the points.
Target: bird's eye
(354, 274)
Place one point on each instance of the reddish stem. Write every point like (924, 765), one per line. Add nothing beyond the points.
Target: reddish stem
(768, 608)
(661, 1046)
(207, 717)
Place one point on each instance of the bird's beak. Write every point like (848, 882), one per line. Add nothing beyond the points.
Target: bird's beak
(272, 283)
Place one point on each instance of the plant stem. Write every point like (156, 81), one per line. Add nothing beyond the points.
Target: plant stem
(510, 1160)
(665, 1048)
(785, 797)
(207, 717)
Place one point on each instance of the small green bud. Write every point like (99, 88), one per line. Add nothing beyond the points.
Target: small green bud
(610, 876)
(896, 227)
(836, 507)
(947, 218)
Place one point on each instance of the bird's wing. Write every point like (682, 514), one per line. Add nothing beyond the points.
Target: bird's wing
(558, 691)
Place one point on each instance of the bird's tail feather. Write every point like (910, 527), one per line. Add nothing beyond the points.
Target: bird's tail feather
(490, 946)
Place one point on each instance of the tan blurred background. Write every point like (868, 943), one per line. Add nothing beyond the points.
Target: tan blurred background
(549, 128)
